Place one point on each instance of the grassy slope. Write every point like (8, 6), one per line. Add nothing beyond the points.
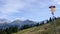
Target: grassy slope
(44, 29)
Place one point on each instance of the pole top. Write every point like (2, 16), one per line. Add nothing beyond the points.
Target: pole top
(52, 7)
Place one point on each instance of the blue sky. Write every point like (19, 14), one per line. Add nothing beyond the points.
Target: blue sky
(36, 10)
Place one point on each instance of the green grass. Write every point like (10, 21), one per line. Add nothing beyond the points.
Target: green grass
(44, 29)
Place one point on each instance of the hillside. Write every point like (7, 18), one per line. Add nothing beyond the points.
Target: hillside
(43, 29)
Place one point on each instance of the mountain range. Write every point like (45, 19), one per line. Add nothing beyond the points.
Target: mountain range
(4, 23)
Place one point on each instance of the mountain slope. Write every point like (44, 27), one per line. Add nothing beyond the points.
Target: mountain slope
(43, 29)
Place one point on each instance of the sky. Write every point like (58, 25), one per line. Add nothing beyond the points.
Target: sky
(36, 10)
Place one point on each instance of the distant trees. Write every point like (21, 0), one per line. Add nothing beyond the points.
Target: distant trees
(25, 26)
(2, 31)
(42, 23)
(12, 29)
(50, 19)
(37, 24)
(47, 21)
(9, 30)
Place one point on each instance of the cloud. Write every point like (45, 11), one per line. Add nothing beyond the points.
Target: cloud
(56, 2)
(10, 6)
(22, 18)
